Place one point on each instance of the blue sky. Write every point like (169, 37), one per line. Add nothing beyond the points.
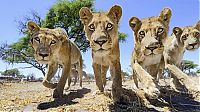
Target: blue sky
(184, 12)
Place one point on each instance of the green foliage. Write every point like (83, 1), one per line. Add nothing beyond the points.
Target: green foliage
(65, 14)
(187, 65)
(198, 71)
(122, 36)
(20, 51)
(11, 72)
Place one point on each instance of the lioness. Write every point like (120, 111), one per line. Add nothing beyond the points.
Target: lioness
(74, 74)
(149, 36)
(52, 47)
(186, 38)
(102, 32)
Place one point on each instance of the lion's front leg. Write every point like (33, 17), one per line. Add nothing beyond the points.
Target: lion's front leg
(147, 81)
(61, 84)
(52, 69)
(98, 79)
(118, 96)
(104, 70)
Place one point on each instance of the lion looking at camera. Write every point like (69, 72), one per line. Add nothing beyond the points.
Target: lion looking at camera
(52, 47)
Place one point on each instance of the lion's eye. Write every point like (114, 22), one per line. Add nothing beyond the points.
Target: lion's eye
(37, 39)
(92, 27)
(109, 26)
(184, 37)
(142, 33)
(196, 34)
(160, 30)
(52, 42)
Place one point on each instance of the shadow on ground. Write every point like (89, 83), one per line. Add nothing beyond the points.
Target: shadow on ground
(67, 99)
(174, 101)
(180, 101)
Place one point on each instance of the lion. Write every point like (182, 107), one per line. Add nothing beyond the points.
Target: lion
(149, 36)
(186, 38)
(74, 74)
(102, 32)
(52, 47)
(182, 39)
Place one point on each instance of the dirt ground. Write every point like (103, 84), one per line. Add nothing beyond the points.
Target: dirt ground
(33, 96)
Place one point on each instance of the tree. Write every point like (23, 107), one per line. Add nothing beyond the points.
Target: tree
(11, 72)
(198, 71)
(187, 65)
(64, 14)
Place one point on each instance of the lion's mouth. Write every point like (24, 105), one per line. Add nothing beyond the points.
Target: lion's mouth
(150, 54)
(192, 47)
(43, 61)
(101, 49)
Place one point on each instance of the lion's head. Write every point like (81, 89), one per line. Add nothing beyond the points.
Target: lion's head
(150, 33)
(190, 37)
(101, 28)
(45, 42)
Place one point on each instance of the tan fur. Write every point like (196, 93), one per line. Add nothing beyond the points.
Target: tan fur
(149, 35)
(102, 32)
(53, 47)
(74, 74)
(191, 86)
(175, 47)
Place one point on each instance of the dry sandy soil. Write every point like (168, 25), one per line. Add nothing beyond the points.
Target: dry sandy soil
(33, 96)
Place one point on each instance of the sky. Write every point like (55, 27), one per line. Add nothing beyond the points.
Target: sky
(184, 13)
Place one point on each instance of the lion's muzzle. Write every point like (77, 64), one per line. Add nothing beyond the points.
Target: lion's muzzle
(43, 52)
(101, 40)
(150, 49)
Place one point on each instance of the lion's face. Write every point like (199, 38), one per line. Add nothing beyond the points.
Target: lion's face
(151, 38)
(45, 42)
(150, 33)
(101, 28)
(190, 38)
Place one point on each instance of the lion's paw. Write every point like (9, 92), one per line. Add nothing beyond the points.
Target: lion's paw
(97, 92)
(123, 99)
(57, 94)
(151, 92)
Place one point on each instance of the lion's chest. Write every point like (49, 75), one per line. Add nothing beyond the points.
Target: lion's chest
(101, 59)
(177, 56)
(151, 60)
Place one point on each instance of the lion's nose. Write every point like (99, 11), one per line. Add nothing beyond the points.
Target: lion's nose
(100, 41)
(152, 46)
(193, 44)
(43, 54)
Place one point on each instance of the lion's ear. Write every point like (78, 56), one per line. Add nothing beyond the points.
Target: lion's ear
(165, 15)
(85, 15)
(198, 25)
(135, 24)
(32, 26)
(177, 31)
(61, 34)
(115, 12)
